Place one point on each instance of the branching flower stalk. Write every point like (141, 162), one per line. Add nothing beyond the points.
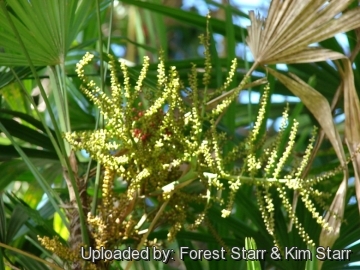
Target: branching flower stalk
(169, 160)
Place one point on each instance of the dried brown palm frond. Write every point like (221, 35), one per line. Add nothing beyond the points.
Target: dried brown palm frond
(285, 37)
(291, 26)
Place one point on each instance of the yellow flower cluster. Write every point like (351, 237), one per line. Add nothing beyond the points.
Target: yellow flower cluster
(170, 159)
(155, 143)
(71, 257)
(160, 151)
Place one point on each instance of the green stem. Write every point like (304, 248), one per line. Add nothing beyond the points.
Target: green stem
(98, 15)
(246, 63)
(152, 225)
(180, 183)
(110, 28)
(100, 119)
(61, 102)
(96, 190)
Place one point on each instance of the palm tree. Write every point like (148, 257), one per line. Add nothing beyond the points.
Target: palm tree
(48, 189)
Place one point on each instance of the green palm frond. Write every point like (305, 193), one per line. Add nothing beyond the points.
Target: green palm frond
(47, 30)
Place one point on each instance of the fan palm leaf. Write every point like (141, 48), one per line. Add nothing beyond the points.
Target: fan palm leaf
(47, 29)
